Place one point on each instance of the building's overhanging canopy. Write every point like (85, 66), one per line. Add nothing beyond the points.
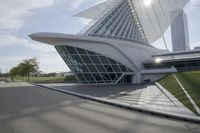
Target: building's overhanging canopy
(155, 18)
(54, 38)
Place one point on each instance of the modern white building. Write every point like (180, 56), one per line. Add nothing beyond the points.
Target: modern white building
(179, 31)
(115, 46)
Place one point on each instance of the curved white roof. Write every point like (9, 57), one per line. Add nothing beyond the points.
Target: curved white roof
(125, 52)
(54, 38)
(155, 19)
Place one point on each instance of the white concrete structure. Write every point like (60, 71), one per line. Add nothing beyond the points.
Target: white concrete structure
(113, 47)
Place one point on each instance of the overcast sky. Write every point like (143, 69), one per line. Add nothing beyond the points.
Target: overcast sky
(19, 18)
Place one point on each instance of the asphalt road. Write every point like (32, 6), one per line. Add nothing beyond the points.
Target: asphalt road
(33, 109)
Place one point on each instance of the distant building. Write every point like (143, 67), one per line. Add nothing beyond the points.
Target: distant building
(179, 31)
(197, 48)
(64, 74)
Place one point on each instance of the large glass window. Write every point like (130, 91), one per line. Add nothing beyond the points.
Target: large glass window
(86, 59)
(95, 59)
(81, 51)
(104, 60)
(84, 68)
(91, 67)
(77, 58)
(116, 68)
(100, 68)
(89, 77)
(109, 68)
(71, 50)
(82, 77)
(112, 61)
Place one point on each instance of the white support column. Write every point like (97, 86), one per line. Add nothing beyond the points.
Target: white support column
(137, 78)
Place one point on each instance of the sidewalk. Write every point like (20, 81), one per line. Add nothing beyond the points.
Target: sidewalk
(14, 84)
(161, 100)
(148, 97)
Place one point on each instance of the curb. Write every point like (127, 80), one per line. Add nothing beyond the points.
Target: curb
(125, 106)
(158, 85)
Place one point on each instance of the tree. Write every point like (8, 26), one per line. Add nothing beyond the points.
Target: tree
(29, 66)
(25, 68)
(14, 72)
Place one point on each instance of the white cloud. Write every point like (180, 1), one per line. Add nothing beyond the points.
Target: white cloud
(69, 4)
(11, 40)
(13, 11)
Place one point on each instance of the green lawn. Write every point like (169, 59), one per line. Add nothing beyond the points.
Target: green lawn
(170, 83)
(55, 79)
(47, 79)
(191, 82)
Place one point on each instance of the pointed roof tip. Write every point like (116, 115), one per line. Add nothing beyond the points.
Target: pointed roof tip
(34, 35)
(31, 36)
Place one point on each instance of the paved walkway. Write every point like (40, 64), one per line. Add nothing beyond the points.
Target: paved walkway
(145, 96)
(13, 84)
(156, 99)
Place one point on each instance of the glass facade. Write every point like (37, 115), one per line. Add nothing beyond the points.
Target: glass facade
(184, 65)
(92, 67)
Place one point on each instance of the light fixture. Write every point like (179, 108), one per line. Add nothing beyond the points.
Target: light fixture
(158, 60)
(147, 3)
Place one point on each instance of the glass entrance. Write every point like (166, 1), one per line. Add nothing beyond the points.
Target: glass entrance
(127, 79)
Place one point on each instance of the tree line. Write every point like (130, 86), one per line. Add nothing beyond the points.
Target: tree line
(25, 68)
